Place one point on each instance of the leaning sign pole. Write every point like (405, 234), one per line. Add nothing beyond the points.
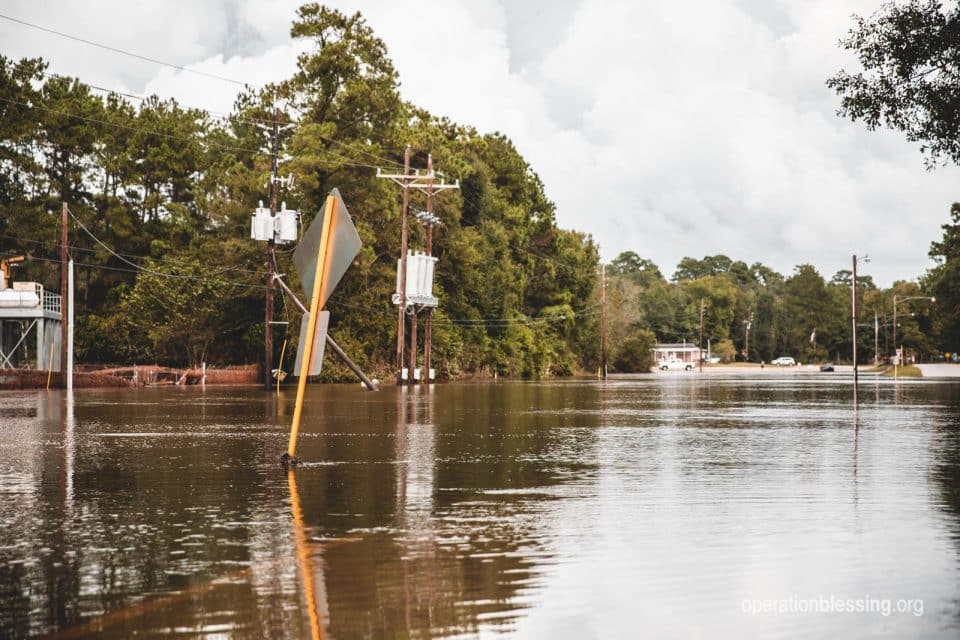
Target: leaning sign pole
(325, 252)
(315, 298)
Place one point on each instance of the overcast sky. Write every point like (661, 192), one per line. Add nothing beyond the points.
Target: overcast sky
(669, 129)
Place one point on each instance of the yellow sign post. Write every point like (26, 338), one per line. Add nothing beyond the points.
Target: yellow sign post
(289, 458)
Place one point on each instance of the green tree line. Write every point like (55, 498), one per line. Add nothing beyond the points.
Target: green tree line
(753, 312)
(161, 196)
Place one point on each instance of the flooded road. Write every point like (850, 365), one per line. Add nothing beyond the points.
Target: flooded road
(661, 505)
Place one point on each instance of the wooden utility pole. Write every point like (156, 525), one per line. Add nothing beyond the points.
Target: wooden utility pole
(405, 180)
(64, 318)
(402, 310)
(428, 321)
(268, 310)
(603, 322)
(853, 313)
(700, 343)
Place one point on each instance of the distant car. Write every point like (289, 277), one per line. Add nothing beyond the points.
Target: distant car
(784, 361)
(674, 363)
(827, 367)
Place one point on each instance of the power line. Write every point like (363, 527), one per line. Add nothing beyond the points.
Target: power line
(124, 52)
(145, 269)
(379, 159)
(508, 322)
(74, 247)
(141, 270)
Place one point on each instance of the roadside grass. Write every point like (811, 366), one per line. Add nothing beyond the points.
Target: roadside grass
(909, 371)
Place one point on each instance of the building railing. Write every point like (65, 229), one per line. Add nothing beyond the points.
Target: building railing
(51, 301)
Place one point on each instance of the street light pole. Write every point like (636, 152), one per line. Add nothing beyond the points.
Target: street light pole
(900, 358)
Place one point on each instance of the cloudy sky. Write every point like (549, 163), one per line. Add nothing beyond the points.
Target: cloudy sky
(670, 129)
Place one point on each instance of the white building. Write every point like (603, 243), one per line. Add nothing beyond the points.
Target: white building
(685, 351)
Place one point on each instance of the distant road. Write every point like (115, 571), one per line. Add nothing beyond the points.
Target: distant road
(940, 370)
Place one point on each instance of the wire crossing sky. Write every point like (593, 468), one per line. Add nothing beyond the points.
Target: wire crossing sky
(668, 129)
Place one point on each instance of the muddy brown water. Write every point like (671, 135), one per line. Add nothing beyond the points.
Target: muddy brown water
(724, 505)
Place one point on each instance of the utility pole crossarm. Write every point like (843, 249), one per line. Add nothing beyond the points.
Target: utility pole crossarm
(442, 186)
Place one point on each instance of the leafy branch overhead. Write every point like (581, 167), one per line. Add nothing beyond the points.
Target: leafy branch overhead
(910, 78)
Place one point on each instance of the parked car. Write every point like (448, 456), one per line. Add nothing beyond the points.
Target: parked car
(827, 367)
(784, 361)
(674, 363)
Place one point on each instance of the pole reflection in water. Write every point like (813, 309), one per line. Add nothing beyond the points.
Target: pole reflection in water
(415, 460)
(69, 446)
(304, 561)
(415, 478)
(856, 456)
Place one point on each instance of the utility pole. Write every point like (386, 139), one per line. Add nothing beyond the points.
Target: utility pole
(853, 320)
(603, 322)
(898, 356)
(876, 340)
(428, 321)
(64, 318)
(422, 182)
(746, 349)
(403, 264)
(700, 343)
(853, 313)
(268, 310)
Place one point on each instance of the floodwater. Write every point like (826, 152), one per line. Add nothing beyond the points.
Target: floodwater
(731, 505)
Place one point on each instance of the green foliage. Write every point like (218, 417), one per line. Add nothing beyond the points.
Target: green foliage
(943, 282)
(724, 350)
(634, 353)
(171, 190)
(910, 55)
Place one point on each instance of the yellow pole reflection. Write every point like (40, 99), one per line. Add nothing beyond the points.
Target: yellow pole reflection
(303, 556)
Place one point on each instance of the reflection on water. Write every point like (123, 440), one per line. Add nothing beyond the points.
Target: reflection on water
(653, 505)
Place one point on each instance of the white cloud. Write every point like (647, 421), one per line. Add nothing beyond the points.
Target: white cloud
(670, 129)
